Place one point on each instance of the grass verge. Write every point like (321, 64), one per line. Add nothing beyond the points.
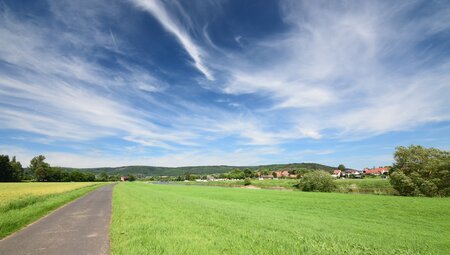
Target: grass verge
(176, 219)
(16, 214)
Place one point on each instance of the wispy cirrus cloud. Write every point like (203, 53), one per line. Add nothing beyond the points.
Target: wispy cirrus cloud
(70, 97)
(157, 9)
(345, 70)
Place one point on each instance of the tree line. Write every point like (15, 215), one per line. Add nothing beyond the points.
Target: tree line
(11, 170)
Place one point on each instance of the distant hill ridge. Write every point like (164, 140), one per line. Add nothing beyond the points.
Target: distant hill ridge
(175, 171)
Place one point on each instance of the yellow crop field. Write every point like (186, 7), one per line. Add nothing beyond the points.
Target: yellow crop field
(13, 191)
(23, 203)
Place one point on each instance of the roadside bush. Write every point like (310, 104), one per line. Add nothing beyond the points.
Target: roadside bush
(316, 181)
(247, 181)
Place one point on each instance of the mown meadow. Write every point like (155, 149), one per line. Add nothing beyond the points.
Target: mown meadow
(367, 185)
(23, 203)
(177, 219)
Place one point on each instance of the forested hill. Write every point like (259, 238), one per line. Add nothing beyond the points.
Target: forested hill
(176, 171)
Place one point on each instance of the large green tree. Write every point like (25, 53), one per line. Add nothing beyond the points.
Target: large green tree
(420, 171)
(103, 177)
(248, 173)
(40, 168)
(10, 170)
(18, 172)
(6, 171)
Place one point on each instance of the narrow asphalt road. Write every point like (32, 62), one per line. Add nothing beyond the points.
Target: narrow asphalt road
(80, 227)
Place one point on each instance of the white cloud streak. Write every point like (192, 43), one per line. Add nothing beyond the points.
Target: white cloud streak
(332, 72)
(70, 97)
(156, 8)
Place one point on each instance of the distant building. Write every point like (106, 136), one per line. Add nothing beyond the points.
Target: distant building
(281, 174)
(336, 173)
(352, 173)
(123, 178)
(269, 176)
(376, 170)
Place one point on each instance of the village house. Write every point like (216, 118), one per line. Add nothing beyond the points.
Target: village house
(376, 171)
(352, 173)
(337, 173)
(263, 177)
(123, 178)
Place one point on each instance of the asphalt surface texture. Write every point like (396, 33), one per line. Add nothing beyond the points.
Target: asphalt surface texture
(80, 227)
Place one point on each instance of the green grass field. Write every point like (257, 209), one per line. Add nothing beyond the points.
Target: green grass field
(367, 185)
(282, 183)
(176, 219)
(23, 203)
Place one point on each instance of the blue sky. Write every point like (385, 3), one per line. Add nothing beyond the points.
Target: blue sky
(176, 83)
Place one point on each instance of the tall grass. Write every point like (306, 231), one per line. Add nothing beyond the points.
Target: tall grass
(176, 219)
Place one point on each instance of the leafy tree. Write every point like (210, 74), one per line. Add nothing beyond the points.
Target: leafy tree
(89, 177)
(248, 173)
(247, 181)
(274, 174)
(114, 178)
(223, 175)
(6, 170)
(65, 176)
(10, 170)
(76, 176)
(316, 181)
(236, 174)
(103, 177)
(131, 178)
(54, 174)
(189, 176)
(18, 172)
(341, 167)
(40, 168)
(420, 171)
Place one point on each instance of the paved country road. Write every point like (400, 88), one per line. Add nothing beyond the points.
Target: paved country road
(80, 227)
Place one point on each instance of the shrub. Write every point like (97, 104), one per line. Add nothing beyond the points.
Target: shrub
(353, 188)
(403, 184)
(317, 181)
(420, 171)
(131, 178)
(247, 181)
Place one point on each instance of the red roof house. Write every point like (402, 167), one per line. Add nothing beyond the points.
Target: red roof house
(337, 172)
(376, 170)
